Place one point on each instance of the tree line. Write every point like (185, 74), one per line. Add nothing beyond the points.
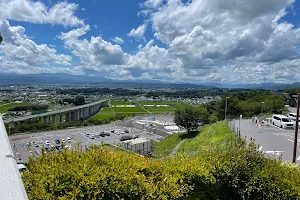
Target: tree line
(35, 107)
(77, 101)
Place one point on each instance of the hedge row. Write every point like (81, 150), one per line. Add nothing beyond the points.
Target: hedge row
(241, 172)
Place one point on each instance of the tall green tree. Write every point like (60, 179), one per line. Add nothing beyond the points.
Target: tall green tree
(191, 117)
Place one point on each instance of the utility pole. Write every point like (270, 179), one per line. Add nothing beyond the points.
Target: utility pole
(240, 125)
(296, 130)
(226, 108)
(262, 105)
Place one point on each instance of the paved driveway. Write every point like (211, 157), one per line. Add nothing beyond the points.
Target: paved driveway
(272, 140)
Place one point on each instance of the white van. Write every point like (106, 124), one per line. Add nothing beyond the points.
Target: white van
(282, 121)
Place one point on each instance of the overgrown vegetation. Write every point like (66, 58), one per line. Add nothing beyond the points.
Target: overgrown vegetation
(236, 172)
(209, 136)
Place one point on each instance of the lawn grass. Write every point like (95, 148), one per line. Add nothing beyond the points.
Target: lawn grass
(218, 134)
(104, 113)
(129, 109)
(172, 108)
(6, 106)
(102, 116)
(165, 147)
(121, 103)
(106, 110)
(160, 109)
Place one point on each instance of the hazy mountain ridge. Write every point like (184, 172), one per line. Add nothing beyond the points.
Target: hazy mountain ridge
(61, 78)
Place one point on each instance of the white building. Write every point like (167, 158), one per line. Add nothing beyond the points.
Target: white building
(139, 145)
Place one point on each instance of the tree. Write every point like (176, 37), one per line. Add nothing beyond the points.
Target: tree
(79, 100)
(190, 117)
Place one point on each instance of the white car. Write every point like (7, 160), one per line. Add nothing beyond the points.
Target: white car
(47, 143)
(69, 140)
(282, 121)
(92, 136)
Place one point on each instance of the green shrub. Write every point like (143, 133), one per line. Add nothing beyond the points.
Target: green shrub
(101, 174)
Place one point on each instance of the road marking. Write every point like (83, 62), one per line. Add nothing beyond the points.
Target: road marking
(298, 158)
(260, 148)
(275, 134)
(278, 153)
(290, 140)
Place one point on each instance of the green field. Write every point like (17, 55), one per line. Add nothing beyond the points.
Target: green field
(106, 110)
(160, 109)
(102, 116)
(121, 103)
(104, 113)
(129, 110)
(4, 107)
(172, 106)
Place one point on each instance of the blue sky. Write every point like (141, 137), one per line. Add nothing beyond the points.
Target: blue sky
(195, 41)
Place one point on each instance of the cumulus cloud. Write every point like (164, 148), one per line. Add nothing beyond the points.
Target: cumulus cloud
(118, 40)
(62, 13)
(94, 52)
(18, 51)
(214, 38)
(139, 32)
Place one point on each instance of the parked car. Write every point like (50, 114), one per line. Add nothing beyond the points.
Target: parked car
(47, 143)
(282, 121)
(57, 141)
(102, 134)
(69, 140)
(63, 141)
(113, 131)
(125, 137)
(107, 134)
(92, 136)
(126, 131)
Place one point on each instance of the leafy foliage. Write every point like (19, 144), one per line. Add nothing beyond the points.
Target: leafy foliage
(239, 171)
(101, 174)
(190, 118)
(248, 104)
(36, 107)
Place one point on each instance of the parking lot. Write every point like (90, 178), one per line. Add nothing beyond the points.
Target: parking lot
(274, 141)
(32, 144)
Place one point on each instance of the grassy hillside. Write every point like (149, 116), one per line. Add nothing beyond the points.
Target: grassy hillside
(218, 134)
(165, 147)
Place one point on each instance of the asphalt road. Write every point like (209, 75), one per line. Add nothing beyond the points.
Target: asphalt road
(272, 140)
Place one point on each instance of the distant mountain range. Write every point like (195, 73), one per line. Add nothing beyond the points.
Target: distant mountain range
(68, 79)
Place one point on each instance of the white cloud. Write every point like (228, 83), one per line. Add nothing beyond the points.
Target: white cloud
(215, 39)
(118, 40)
(62, 13)
(138, 32)
(20, 52)
(95, 52)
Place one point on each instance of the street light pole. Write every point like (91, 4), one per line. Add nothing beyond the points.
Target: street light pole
(296, 131)
(262, 105)
(226, 108)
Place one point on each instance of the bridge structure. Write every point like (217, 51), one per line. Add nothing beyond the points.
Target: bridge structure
(77, 113)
